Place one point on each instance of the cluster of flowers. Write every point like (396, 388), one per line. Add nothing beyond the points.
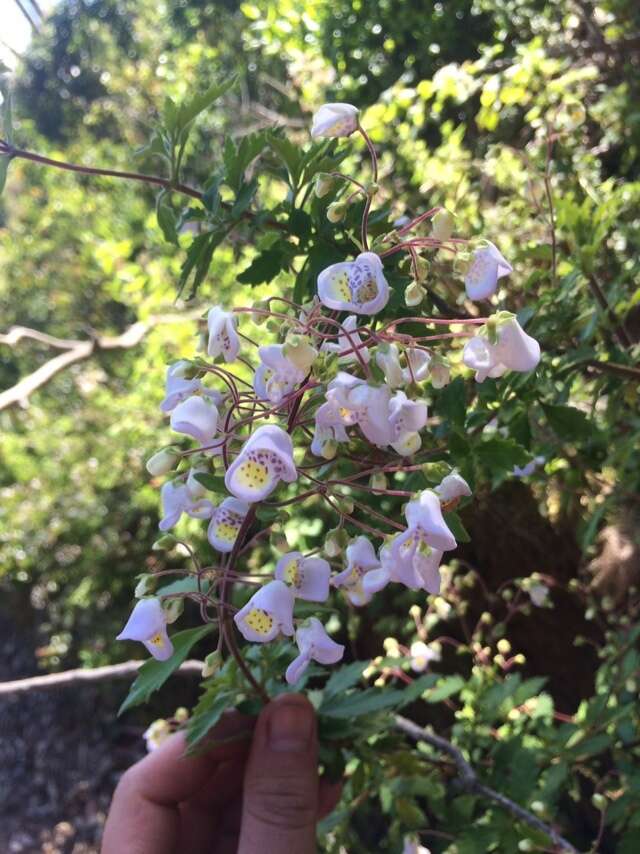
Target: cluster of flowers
(352, 380)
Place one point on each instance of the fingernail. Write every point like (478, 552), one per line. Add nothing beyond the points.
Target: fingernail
(290, 727)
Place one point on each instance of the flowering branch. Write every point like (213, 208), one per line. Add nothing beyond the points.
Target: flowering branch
(470, 782)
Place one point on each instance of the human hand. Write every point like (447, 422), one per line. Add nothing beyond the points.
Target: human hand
(255, 792)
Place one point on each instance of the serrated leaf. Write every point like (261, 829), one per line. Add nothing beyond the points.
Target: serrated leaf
(200, 102)
(153, 674)
(290, 155)
(345, 677)
(264, 267)
(215, 483)
(446, 687)
(244, 197)
(4, 168)
(170, 114)
(180, 585)
(500, 455)
(238, 157)
(569, 423)
(451, 402)
(207, 714)
(457, 528)
(211, 195)
(6, 113)
(166, 218)
(361, 703)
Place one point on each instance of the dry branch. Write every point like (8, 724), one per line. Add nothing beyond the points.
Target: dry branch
(84, 674)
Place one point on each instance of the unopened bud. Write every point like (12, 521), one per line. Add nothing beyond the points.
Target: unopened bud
(372, 189)
(324, 184)
(145, 585)
(504, 646)
(442, 225)
(336, 212)
(298, 350)
(439, 372)
(173, 609)
(336, 540)
(538, 807)
(599, 801)
(414, 294)
(212, 664)
(181, 715)
(378, 480)
(415, 611)
(165, 542)
(162, 462)
(526, 845)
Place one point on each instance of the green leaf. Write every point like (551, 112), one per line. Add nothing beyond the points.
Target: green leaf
(189, 584)
(6, 113)
(345, 677)
(500, 455)
(198, 260)
(290, 155)
(452, 402)
(264, 267)
(166, 218)
(446, 687)
(244, 197)
(153, 674)
(4, 168)
(360, 703)
(170, 114)
(569, 423)
(200, 102)
(212, 705)
(215, 483)
(238, 157)
(211, 195)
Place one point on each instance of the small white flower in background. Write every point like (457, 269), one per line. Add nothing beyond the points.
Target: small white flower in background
(487, 266)
(442, 224)
(348, 343)
(364, 575)
(418, 365)
(276, 376)
(421, 656)
(439, 372)
(333, 120)
(162, 462)
(307, 576)
(529, 468)
(451, 489)
(265, 459)
(325, 440)
(178, 386)
(223, 338)
(313, 643)
(406, 419)
(412, 846)
(156, 733)
(401, 221)
(510, 350)
(267, 614)
(197, 417)
(177, 499)
(196, 489)
(539, 594)
(388, 360)
(358, 286)
(414, 294)
(225, 524)
(148, 624)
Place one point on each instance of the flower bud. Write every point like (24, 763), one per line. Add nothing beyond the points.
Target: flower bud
(181, 715)
(324, 184)
(599, 801)
(167, 541)
(212, 663)
(372, 189)
(504, 646)
(414, 294)
(526, 845)
(336, 212)
(415, 611)
(442, 225)
(337, 539)
(173, 609)
(298, 350)
(538, 807)
(378, 480)
(145, 585)
(162, 462)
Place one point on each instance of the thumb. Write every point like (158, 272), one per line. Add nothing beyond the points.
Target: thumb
(280, 806)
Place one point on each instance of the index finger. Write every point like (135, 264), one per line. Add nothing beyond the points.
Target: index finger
(144, 817)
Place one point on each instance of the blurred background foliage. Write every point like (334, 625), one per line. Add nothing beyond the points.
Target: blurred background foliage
(523, 118)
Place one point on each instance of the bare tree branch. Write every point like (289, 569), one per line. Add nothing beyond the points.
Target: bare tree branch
(469, 781)
(84, 674)
(76, 351)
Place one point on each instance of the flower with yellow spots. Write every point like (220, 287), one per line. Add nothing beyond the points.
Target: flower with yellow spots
(267, 614)
(226, 522)
(313, 643)
(264, 460)
(148, 624)
(358, 286)
(308, 577)
(276, 376)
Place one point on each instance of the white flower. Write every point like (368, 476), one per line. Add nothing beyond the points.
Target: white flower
(225, 524)
(347, 344)
(408, 560)
(156, 733)
(424, 515)
(510, 350)
(364, 575)
(313, 643)
(267, 614)
(333, 120)
(177, 498)
(529, 468)
(350, 401)
(539, 594)
(388, 360)
(451, 488)
(412, 846)
(418, 365)
(308, 576)
(196, 416)
(487, 266)
(439, 373)
(223, 338)
(406, 419)
(276, 376)
(178, 386)
(162, 462)
(325, 442)
(358, 286)
(148, 624)
(265, 459)
(421, 655)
